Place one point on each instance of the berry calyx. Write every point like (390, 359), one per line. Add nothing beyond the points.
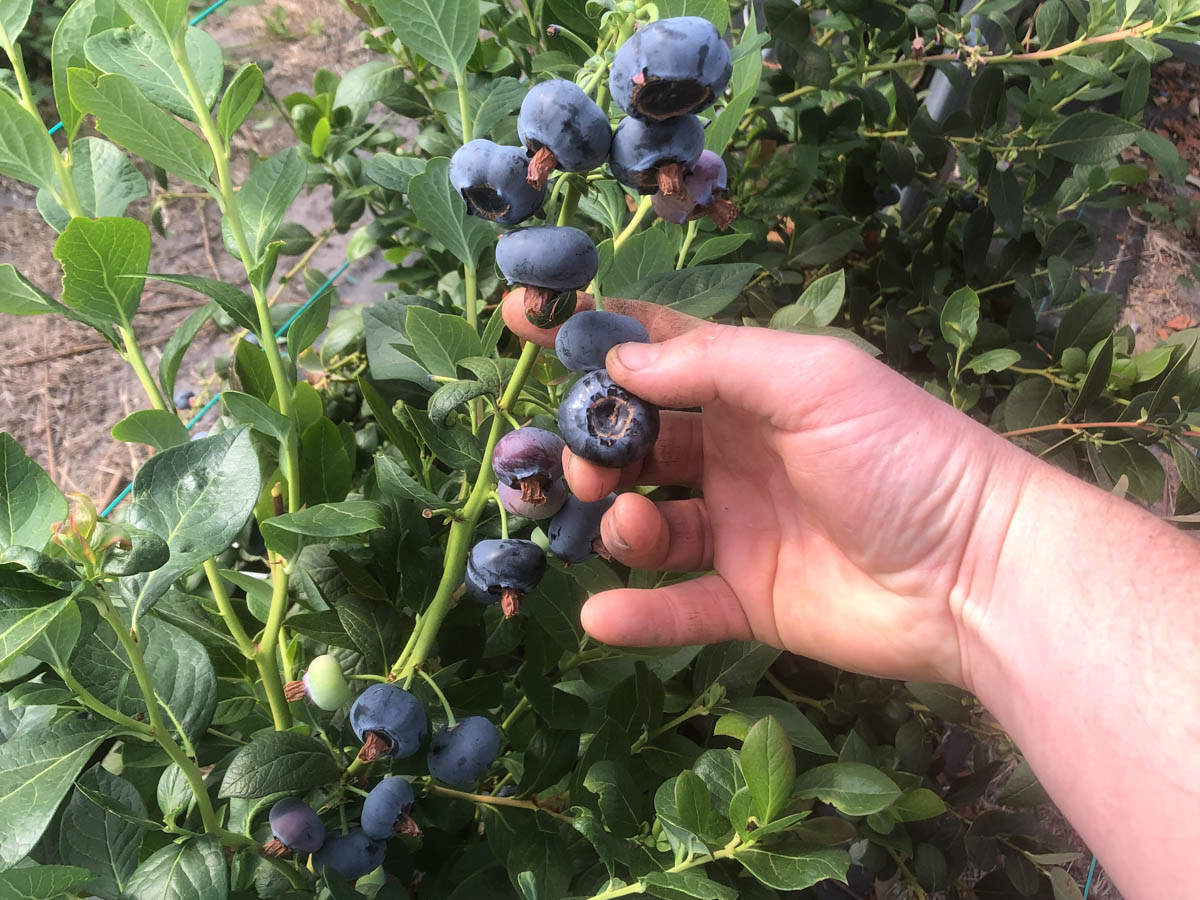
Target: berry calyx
(386, 809)
(653, 157)
(606, 424)
(296, 827)
(505, 571)
(561, 127)
(550, 261)
(389, 721)
(529, 460)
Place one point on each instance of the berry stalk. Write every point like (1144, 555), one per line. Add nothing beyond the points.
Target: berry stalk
(450, 720)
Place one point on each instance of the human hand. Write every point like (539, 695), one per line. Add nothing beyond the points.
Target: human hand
(847, 514)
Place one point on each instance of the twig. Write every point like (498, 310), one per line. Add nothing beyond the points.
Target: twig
(78, 351)
(1083, 426)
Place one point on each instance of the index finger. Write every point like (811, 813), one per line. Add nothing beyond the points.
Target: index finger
(661, 322)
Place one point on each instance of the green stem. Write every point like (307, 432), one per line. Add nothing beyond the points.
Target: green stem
(133, 356)
(693, 227)
(266, 655)
(503, 515)
(562, 31)
(638, 887)
(689, 713)
(497, 801)
(450, 720)
(570, 204)
(643, 210)
(517, 712)
(459, 540)
(95, 704)
(190, 769)
(464, 105)
(225, 605)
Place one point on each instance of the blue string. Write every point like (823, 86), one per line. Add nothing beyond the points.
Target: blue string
(1087, 888)
(195, 21)
(216, 397)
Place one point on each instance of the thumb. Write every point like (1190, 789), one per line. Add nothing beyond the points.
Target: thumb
(762, 371)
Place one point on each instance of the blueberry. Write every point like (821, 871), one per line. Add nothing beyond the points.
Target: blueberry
(886, 195)
(296, 826)
(183, 399)
(460, 754)
(389, 721)
(504, 570)
(606, 424)
(585, 339)
(965, 202)
(561, 127)
(385, 811)
(351, 855)
(529, 460)
(656, 156)
(703, 194)
(553, 497)
(671, 67)
(197, 435)
(252, 339)
(551, 261)
(325, 684)
(491, 179)
(575, 532)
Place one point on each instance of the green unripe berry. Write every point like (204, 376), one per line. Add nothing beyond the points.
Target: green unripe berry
(1074, 361)
(325, 684)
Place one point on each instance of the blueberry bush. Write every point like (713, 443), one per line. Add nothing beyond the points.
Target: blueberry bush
(332, 647)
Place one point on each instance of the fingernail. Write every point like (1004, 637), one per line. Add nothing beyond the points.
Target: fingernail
(637, 356)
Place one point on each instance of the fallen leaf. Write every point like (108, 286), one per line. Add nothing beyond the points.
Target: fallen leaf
(1180, 322)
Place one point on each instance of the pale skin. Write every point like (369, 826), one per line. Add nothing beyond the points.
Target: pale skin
(847, 515)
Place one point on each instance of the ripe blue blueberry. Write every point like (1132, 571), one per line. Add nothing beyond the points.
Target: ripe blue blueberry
(551, 261)
(460, 754)
(504, 570)
(606, 424)
(491, 179)
(351, 855)
(183, 399)
(562, 127)
(671, 67)
(389, 721)
(295, 826)
(886, 195)
(575, 532)
(529, 460)
(585, 339)
(703, 194)
(553, 497)
(385, 811)
(656, 156)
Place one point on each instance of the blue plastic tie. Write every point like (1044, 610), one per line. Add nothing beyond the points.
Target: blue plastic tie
(1087, 888)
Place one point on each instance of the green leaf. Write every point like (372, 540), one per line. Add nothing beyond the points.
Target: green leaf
(326, 469)
(264, 199)
(82, 19)
(258, 415)
(918, 804)
(398, 484)
(854, 788)
(309, 325)
(993, 361)
(157, 428)
(441, 339)
(1139, 465)
(551, 754)
(105, 181)
(29, 501)
(124, 115)
(184, 682)
(503, 98)
(769, 765)
(444, 33)
(1022, 790)
(196, 497)
(795, 871)
(192, 870)
(27, 606)
(279, 761)
(25, 153)
(375, 628)
(329, 520)
(747, 74)
(145, 553)
(162, 18)
(610, 849)
(1006, 200)
(36, 771)
(693, 805)
(441, 211)
(240, 98)
(818, 305)
(685, 885)
(645, 254)
(449, 397)
(237, 303)
(13, 16)
(718, 246)
(101, 841)
(700, 291)
(1064, 885)
(393, 172)
(147, 62)
(960, 318)
(736, 665)
(43, 882)
(622, 805)
(1097, 378)
(20, 297)
(741, 715)
(104, 266)
(1090, 138)
(828, 241)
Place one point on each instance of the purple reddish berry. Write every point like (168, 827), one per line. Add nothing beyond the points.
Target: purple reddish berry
(529, 460)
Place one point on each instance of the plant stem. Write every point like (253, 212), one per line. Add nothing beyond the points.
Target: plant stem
(643, 210)
(1083, 426)
(266, 654)
(461, 531)
(188, 766)
(450, 720)
(503, 516)
(563, 31)
(95, 704)
(226, 607)
(497, 801)
(464, 105)
(693, 227)
(470, 300)
(638, 887)
(517, 712)
(133, 356)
